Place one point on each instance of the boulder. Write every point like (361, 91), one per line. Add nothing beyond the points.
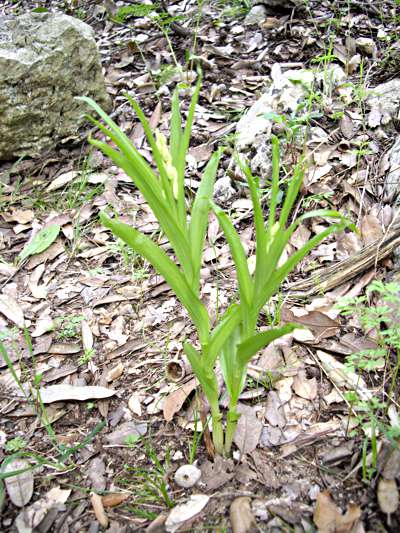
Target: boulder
(46, 59)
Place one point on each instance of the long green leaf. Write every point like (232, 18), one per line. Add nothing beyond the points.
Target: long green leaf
(291, 194)
(275, 183)
(175, 138)
(226, 326)
(251, 346)
(166, 183)
(277, 277)
(145, 181)
(164, 266)
(199, 215)
(239, 257)
(205, 375)
(183, 149)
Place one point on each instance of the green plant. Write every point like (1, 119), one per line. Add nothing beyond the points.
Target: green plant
(150, 483)
(87, 356)
(371, 414)
(234, 338)
(68, 326)
(15, 445)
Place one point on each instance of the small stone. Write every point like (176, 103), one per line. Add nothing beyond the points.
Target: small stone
(256, 15)
(187, 476)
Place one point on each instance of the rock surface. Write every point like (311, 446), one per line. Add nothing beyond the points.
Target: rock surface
(46, 59)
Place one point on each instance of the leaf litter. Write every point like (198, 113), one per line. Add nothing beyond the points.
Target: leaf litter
(294, 408)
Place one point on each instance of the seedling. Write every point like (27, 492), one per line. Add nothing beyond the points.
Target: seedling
(235, 338)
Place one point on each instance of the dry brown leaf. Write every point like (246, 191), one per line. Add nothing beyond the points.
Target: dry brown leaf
(242, 518)
(174, 401)
(20, 486)
(87, 336)
(61, 180)
(371, 229)
(134, 404)
(320, 324)
(347, 126)
(303, 387)
(185, 511)
(248, 430)
(11, 310)
(114, 499)
(329, 518)
(300, 237)
(115, 373)
(30, 517)
(98, 509)
(388, 495)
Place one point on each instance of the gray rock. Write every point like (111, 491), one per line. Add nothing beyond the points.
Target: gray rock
(46, 59)
(256, 15)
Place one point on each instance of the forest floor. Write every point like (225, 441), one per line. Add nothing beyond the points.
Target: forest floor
(312, 453)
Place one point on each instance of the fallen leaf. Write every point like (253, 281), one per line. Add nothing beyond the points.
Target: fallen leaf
(135, 405)
(30, 517)
(125, 431)
(98, 509)
(185, 511)
(388, 495)
(20, 486)
(11, 310)
(87, 335)
(114, 499)
(329, 518)
(61, 180)
(64, 392)
(248, 431)
(303, 387)
(40, 242)
(242, 518)
(174, 401)
(371, 229)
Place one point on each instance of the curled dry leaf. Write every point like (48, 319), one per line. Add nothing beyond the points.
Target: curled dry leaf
(388, 495)
(174, 401)
(116, 372)
(303, 387)
(20, 486)
(11, 310)
(329, 518)
(242, 518)
(134, 404)
(114, 499)
(185, 511)
(98, 509)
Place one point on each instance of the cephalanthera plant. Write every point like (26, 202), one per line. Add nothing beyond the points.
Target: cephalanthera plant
(234, 339)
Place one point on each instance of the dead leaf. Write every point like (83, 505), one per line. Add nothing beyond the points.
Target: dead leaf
(320, 324)
(185, 511)
(64, 392)
(303, 387)
(329, 518)
(30, 517)
(61, 180)
(347, 126)
(20, 486)
(248, 430)
(98, 509)
(134, 404)
(11, 310)
(114, 499)
(388, 495)
(242, 518)
(174, 401)
(125, 431)
(371, 229)
(214, 474)
(274, 411)
(87, 335)
(115, 373)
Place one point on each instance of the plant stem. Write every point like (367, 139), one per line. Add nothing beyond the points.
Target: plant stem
(217, 430)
